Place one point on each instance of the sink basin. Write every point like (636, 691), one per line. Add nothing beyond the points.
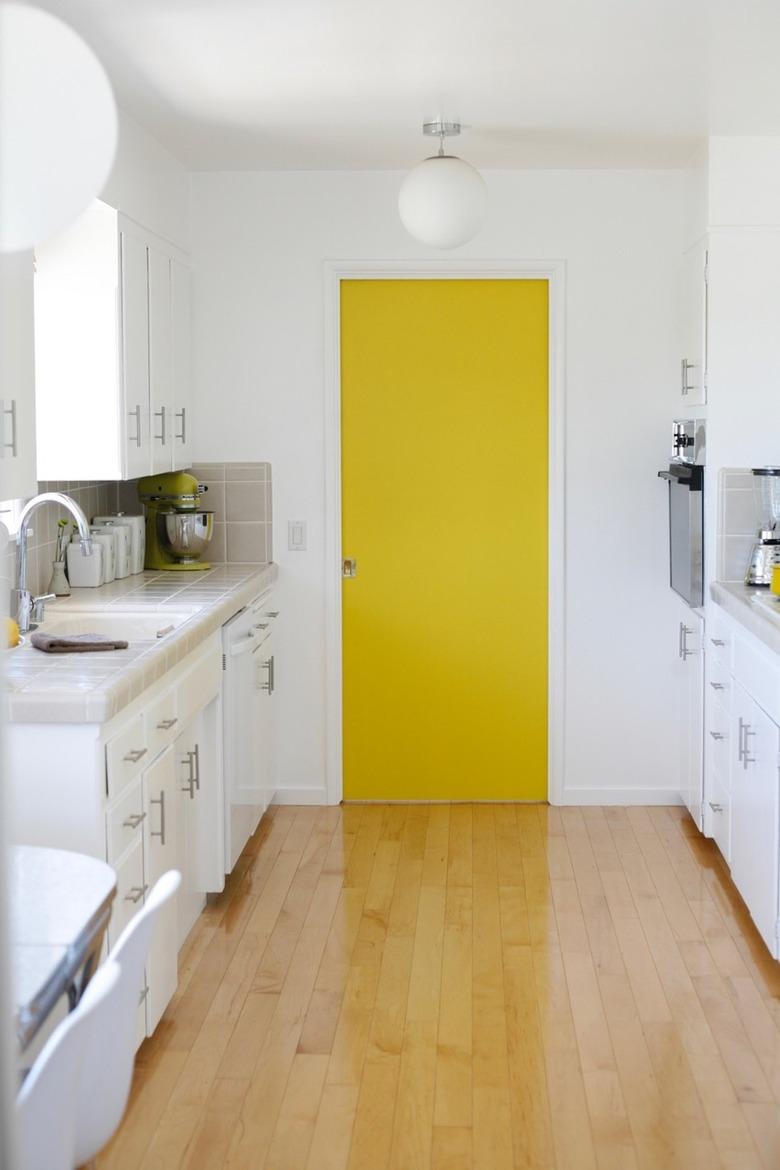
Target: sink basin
(130, 627)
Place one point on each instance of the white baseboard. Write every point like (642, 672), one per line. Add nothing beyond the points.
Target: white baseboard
(620, 796)
(301, 796)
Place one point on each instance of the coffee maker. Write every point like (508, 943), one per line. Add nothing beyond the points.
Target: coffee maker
(766, 551)
(178, 530)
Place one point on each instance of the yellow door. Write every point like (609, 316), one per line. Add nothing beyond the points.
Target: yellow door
(444, 482)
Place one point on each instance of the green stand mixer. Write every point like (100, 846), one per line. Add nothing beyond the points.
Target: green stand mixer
(178, 531)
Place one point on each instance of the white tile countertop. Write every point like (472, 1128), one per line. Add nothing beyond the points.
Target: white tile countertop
(94, 687)
(752, 606)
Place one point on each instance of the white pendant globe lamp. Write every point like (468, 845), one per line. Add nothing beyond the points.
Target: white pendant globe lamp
(442, 201)
(58, 126)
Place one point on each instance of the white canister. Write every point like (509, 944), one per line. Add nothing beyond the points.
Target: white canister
(137, 525)
(106, 541)
(122, 538)
(84, 571)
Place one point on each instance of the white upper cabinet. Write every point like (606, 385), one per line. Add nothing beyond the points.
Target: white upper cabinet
(693, 325)
(104, 351)
(17, 378)
(182, 364)
(160, 360)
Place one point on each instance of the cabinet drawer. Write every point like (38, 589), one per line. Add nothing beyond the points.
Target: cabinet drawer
(124, 822)
(718, 681)
(718, 814)
(126, 755)
(755, 668)
(130, 892)
(719, 637)
(199, 686)
(162, 723)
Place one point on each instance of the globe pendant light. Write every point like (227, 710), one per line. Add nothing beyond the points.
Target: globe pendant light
(442, 201)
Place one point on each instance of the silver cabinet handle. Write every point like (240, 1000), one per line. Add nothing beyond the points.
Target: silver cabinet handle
(12, 445)
(273, 673)
(161, 415)
(268, 685)
(192, 760)
(740, 741)
(261, 625)
(167, 724)
(685, 387)
(136, 414)
(717, 686)
(717, 735)
(682, 644)
(717, 642)
(196, 765)
(143, 995)
(136, 893)
(746, 758)
(134, 756)
(272, 613)
(182, 414)
(161, 832)
(134, 821)
(716, 808)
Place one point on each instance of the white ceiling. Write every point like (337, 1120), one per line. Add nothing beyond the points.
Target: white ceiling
(342, 84)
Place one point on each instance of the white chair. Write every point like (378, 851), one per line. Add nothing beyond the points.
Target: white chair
(46, 1107)
(107, 1071)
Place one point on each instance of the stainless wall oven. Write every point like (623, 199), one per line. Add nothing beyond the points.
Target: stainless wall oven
(685, 479)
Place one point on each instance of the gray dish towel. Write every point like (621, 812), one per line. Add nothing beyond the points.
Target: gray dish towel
(74, 643)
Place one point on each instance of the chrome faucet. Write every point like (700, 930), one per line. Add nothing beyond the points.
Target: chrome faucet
(29, 608)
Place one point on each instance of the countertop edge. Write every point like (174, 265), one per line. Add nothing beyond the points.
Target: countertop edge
(741, 603)
(103, 703)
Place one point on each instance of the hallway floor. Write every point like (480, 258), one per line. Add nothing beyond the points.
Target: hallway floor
(447, 987)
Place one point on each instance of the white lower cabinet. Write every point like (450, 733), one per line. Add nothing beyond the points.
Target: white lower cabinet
(755, 808)
(143, 792)
(688, 670)
(161, 853)
(742, 767)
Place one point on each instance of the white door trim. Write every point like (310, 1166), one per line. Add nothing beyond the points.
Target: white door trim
(554, 272)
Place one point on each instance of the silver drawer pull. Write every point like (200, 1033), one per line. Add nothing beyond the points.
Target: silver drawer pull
(136, 893)
(11, 446)
(261, 625)
(717, 735)
(717, 686)
(134, 756)
(134, 821)
(166, 724)
(716, 808)
(182, 414)
(717, 642)
(161, 832)
(272, 613)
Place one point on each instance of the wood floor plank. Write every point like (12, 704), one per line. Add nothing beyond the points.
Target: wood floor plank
(466, 987)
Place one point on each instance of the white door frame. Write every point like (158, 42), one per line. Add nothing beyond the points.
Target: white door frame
(554, 272)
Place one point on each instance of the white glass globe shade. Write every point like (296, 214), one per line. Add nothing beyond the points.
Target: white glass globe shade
(442, 201)
(58, 126)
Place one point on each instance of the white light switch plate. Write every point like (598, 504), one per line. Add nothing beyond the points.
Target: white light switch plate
(296, 535)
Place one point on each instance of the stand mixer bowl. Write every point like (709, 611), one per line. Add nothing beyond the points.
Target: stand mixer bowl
(186, 534)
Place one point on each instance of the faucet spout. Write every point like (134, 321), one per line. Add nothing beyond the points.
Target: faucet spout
(25, 599)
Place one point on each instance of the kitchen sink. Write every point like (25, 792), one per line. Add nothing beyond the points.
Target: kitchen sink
(124, 625)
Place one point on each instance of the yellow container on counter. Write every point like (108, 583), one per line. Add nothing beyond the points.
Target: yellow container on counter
(775, 586)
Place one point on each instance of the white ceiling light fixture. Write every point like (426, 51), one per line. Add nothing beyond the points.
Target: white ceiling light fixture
(442, 201)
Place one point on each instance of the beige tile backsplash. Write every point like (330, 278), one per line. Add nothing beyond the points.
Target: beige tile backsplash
(239, 494)
(736, 522)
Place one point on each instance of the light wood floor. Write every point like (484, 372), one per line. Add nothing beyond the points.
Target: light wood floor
(448, 987)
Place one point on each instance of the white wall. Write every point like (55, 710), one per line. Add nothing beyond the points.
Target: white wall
(258, 246)
(148, 184)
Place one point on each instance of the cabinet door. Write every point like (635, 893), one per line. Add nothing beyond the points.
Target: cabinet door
(693, 325)
(200, 802)
(17, 378)
(754, 812)
(689, 682)
(160, 361)
(135, 355)
(161, 853)
(181, 342)
(266, 687)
